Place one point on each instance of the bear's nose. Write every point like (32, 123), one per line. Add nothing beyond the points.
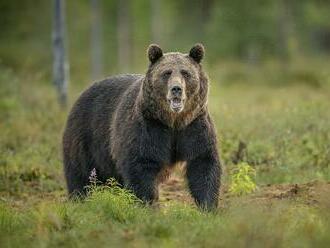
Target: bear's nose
(176, 91)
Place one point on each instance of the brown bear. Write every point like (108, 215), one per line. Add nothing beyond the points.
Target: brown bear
(134, 128)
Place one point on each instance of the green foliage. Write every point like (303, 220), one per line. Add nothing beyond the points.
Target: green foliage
(242, 179)
(242, 28)
(286, 130)
(253, 31)
(29, 146)
(113, 201)
(93, 222)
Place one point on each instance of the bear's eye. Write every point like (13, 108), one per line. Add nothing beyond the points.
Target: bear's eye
(166, 74)
(186, 74)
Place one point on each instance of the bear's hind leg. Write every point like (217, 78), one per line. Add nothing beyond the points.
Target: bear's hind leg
(76, 182)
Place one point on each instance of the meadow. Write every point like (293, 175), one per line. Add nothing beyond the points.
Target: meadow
(274, 140)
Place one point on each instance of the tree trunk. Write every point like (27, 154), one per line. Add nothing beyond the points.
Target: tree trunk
(60, 66)
(124, 35)
(96, 40)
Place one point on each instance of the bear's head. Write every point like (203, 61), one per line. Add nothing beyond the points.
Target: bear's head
(175, 87)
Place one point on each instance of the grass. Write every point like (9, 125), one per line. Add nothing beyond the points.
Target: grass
(285, 132)
(115, 218)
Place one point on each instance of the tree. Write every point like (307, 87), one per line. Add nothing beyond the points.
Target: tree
(96, 40)
(60, 65)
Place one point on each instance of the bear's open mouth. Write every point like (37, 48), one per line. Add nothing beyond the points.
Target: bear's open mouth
(176, 104)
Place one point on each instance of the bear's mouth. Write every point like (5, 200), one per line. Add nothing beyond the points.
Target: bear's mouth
(176, 104)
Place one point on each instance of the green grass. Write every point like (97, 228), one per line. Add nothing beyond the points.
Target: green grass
(115, 218)
(287, 135)
(286, 130)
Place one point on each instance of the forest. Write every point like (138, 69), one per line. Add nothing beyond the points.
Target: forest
(268, 65)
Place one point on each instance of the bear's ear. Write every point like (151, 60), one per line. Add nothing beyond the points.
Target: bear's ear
(197, 52)
(154, 53)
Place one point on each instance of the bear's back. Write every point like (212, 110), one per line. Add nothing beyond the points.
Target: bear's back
(88, 127)
(102, 98)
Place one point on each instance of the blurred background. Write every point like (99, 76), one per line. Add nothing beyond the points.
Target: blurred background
(105, 37)
(268, 63)
(269, 67)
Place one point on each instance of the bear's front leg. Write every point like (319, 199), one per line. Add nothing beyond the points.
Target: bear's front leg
(203, 174)
(141, 177)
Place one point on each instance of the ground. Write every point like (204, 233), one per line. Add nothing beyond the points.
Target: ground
(311, 193)
(281, 132)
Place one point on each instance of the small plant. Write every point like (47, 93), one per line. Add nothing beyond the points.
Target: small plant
(111, 186)
(242, 179)
(94, 183)
(93, 177)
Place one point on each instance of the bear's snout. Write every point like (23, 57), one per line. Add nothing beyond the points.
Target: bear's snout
(176, 96)
(176, 91)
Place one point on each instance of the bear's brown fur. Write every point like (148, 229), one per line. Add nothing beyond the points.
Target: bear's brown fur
(134, 128)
